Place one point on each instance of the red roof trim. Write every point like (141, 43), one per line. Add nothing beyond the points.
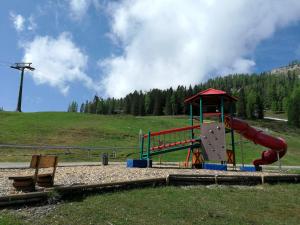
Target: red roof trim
(209, 92)
(212, 91)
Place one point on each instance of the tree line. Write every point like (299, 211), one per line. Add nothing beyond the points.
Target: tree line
(255, 92)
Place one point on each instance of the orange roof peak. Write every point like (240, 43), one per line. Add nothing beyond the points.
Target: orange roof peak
(209, 93)
(212, 91)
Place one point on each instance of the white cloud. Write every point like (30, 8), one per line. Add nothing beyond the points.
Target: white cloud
(79, 8)
(18, 21)
(58, 62)
(32, 24)
(172, 42)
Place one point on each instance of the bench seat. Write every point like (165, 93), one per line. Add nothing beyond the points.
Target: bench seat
(27, 183)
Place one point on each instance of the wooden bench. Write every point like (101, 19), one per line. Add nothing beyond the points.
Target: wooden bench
(27, 183)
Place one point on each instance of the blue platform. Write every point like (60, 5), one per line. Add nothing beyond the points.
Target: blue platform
(211, 166)
(248, 168)
(139, 163)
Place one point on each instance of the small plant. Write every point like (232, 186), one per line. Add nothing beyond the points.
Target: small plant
(53, 197)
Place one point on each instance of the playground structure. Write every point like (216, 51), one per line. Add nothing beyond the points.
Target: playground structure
(205, 141)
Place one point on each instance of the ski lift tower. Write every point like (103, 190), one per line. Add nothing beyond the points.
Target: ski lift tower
(21, 67)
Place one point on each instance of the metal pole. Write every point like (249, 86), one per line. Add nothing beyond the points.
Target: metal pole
(19, 106)
(192, 134)
(231, 131)
(279, 161)
(242, 149)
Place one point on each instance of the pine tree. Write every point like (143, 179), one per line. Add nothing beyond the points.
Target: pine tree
(241, 104)
(149, 103)
(134, 109)
(141, 104)
(86, 107)
(158, 102)
(69, 108)
(127, 105)
(168, 105)
(82, 108)
(110, 106)
(250, 106)
(73, 107)
(259, 107)
(99, 107)
(256, 93)
(294, 108)
(174, 104)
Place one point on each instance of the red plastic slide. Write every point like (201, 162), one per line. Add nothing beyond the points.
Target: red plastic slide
(259, 137)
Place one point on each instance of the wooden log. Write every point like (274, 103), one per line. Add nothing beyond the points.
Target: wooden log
(181, 179)
(282, 179)
(114, 185)
(23, 198)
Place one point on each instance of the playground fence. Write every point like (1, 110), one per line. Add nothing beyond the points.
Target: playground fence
(90, 151)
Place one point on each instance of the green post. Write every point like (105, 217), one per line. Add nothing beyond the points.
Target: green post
(201, 114)
(201, 111)
(148, 147)
(233, 147)
(191, 120)
(141, 140)
(222, 109)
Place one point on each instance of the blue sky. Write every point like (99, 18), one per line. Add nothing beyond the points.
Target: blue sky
(80, 47)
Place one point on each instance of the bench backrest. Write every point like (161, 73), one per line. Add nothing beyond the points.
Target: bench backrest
(43, 161)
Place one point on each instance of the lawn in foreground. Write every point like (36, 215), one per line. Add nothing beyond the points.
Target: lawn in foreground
(277, 204)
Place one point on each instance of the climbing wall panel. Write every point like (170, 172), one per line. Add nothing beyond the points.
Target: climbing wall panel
(213, 141)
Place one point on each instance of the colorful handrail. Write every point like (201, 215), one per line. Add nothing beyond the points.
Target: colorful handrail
(172, 131)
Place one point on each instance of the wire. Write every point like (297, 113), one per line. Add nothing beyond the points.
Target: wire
(3, 64)
(6, 63)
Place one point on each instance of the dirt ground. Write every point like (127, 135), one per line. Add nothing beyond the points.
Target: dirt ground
(104, 174)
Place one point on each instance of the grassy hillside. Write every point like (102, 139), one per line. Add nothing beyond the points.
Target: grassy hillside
(79, 129)
(74, 129)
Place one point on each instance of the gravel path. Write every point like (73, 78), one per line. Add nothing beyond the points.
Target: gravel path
(105, 174)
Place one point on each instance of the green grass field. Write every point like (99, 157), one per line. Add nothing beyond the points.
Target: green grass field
(74, 129)
(276, 204)
(280, 115)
